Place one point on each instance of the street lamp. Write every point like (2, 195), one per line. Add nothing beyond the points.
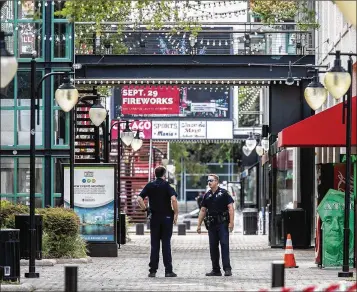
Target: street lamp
(315, 93)
(63, 91)
(135, 142)
(348, 9)
(250, 142)
(338, 83)
(97, 113)
(8, 63)
(290, 80)
(66, 95)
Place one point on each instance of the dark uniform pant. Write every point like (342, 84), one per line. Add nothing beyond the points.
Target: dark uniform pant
(219, 233)
(161, 230)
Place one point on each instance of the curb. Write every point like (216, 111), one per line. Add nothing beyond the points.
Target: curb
(17, 287)
(52, 262)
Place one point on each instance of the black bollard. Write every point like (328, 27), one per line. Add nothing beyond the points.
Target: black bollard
(278, 274)
(71, 278)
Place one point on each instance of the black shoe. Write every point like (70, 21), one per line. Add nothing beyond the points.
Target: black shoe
(170, 275)
(213, 273)
(228, 273)
(152, 275)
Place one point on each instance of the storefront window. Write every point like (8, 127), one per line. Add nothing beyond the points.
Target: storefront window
(284, 186)
(250, 188)
(23, 180)
(7, 175)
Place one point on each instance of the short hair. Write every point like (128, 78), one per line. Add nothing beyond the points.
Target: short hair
(215, 176)
(160, 171)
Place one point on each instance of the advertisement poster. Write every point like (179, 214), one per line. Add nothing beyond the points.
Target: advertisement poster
(94, 200)
(165, 129)
(331, 212)
(193, 129)
(143, 126)
(150, 100)
(209, 107)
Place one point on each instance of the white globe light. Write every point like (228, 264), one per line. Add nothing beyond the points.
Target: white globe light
(265, 143)
(137, 142)
(246, 151)
(66, 95)
(337, 83)
(97, 114)
(259, 149)
(315, 96)
(127, 135)
(348, 9)
(251, 143)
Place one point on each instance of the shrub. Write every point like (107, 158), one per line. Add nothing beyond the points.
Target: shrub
(8, 211)
(61, 238)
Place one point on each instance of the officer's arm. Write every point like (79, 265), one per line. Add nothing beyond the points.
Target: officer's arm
(231, 214)
(141, 198)
(201, 216)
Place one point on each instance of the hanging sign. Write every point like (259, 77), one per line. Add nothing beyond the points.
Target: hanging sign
(150, 100)
(165, 130)
(193, 129)
(94, 200)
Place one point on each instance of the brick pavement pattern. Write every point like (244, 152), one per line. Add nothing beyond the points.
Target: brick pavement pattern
(251, 259)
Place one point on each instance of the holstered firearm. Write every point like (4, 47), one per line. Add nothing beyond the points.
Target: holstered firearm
(211, 220)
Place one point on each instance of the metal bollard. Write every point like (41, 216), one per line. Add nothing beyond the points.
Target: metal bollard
(181, 229)
(188, 224)
(139, 229)
(278, 274)
(71, 278)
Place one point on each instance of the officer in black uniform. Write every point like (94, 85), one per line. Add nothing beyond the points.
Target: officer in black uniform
(164, 213)
(217, 212)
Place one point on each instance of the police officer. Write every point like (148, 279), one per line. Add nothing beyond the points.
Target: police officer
(218, 214)
(164, 213)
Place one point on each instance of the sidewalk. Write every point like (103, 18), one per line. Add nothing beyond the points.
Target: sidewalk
(251, 259)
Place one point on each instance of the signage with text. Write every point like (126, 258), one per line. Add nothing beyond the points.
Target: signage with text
(150, 100)
(165, 130)
(193, 129)
(94, 200)
(143, 126)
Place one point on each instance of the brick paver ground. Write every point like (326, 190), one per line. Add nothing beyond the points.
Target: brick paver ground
(251, 259)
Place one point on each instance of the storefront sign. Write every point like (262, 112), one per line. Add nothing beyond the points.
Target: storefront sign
(94, 200)
(165, 130)
(331, 211)
(203, 107)
(143, 126)
(150, 100)
(193, 129)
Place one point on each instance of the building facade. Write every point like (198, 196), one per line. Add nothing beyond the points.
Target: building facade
(34, 27)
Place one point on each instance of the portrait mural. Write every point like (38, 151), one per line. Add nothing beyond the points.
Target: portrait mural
(331, 212)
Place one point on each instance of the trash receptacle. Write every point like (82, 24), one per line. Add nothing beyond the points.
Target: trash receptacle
(250, 221)
(121, 232)
(22, 222)
(10, 255)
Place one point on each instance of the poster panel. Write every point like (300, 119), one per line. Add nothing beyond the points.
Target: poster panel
(219, 129)
(94, 200)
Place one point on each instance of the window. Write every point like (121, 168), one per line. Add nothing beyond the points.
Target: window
(62, 34)
(249, 106)
(15, 180)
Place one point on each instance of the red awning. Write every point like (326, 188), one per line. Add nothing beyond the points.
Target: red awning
(324, 129)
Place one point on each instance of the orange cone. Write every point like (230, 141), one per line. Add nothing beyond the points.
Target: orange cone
(289, 257)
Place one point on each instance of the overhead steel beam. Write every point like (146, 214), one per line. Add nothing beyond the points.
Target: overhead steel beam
(183, 68)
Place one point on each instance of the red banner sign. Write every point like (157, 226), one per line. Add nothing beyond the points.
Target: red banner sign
(150, 100)
(143, 126)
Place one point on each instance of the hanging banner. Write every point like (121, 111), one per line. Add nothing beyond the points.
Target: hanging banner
(94, 200)
(150, 100)
(143, 126)
(165, 130)
(193, 129)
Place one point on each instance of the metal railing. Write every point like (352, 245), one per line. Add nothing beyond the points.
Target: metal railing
(238, 39)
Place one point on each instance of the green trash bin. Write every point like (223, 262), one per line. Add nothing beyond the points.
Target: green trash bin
(10, 255)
